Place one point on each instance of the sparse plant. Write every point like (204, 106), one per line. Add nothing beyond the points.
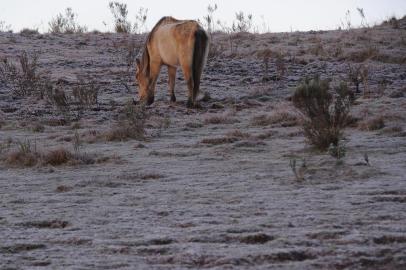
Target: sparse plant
(325, 114)
(121, 22)
(66, 23)
(361, 13)
(127, 52)
(209, 18)
(230, 34)
(243, 23)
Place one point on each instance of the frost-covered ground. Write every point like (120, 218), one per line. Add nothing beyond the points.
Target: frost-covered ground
(214, 189)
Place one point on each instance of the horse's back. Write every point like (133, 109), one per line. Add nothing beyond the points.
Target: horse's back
(174, 40)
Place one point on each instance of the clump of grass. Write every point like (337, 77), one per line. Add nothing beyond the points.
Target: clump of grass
(26, 155)
(131, 124)
(57, 157)
(66, 23)
(325, 114)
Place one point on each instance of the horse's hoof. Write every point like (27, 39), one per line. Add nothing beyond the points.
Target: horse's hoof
(192, 105)
(150, 100)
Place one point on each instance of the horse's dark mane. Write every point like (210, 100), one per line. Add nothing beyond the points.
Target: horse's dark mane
(145, 55)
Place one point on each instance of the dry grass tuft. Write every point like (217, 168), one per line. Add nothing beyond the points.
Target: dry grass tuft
(62, 188)
(371, 124)
(26, 155)
(217, 119)
(238, 134)
(58, 157)
(21, 158)
(219, 140)
(283, 115)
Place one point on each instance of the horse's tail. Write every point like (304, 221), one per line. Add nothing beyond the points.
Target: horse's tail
(200, 53)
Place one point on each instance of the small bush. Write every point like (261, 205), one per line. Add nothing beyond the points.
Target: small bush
(66, 24)
(325, 114)
(243, 23)
(120, 13)
(86, 93)
(29, 32)
(121, 22)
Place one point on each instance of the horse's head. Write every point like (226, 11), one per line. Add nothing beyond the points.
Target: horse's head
(143, 84)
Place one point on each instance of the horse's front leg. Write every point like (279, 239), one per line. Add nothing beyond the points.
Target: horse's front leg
(172, 79)
(155, 69)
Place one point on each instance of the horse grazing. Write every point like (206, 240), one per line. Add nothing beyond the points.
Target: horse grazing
(173, 43)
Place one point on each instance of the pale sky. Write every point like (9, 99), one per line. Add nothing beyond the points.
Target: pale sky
(275, 15)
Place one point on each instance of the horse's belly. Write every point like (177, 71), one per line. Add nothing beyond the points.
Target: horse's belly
(168, 52)
(170, 60)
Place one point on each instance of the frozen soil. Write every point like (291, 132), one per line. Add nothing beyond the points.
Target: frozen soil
(214, 189)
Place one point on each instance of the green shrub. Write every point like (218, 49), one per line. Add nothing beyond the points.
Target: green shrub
(325, 113)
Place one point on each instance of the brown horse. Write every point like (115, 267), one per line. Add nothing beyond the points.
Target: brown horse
(173, 43)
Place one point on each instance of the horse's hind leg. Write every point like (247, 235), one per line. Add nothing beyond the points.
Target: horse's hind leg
(172, 79)
(187, 72)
